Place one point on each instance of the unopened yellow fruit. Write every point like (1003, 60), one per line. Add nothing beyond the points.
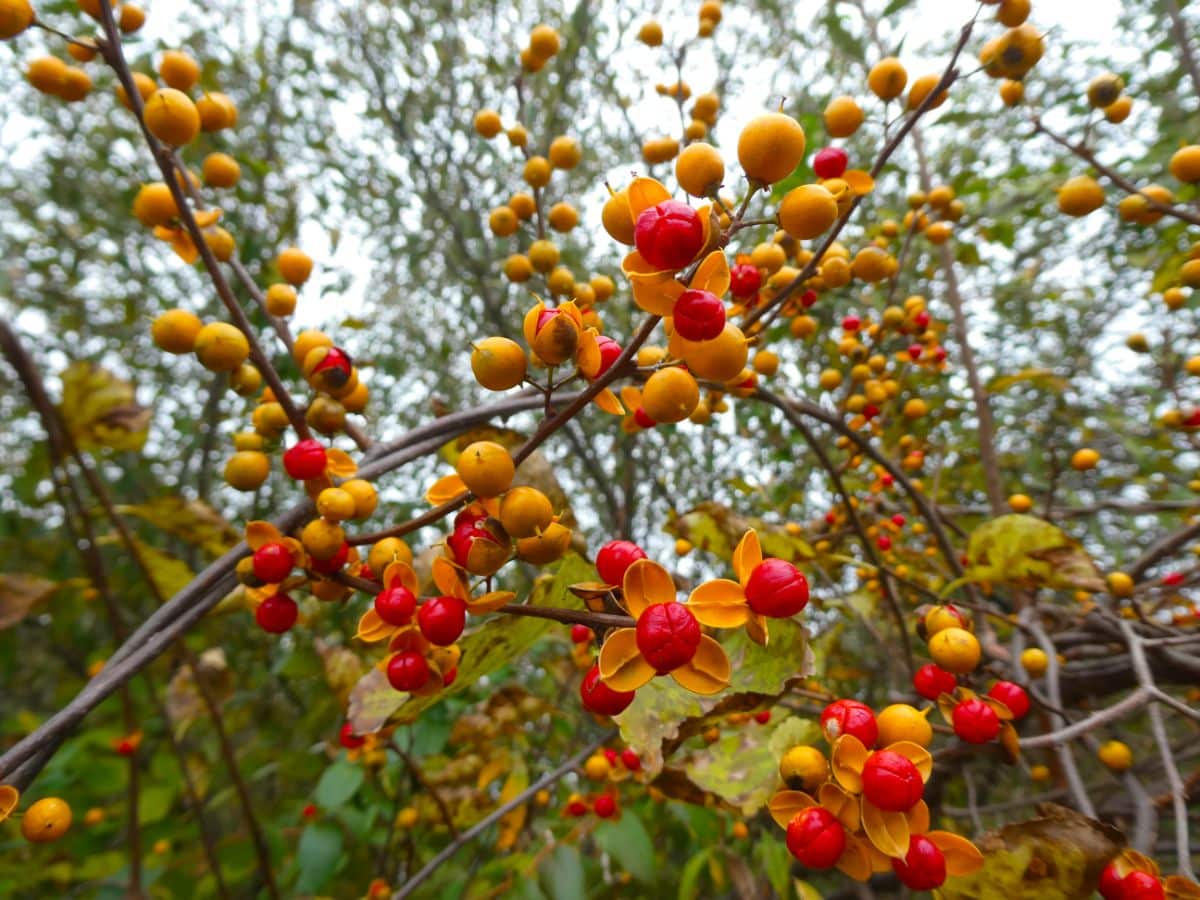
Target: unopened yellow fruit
(15, 17)
(914, 408)
(1084, 458)
(523, 204)
(872, 265)
(803, 768)
(387, 551)
(720, 359)
(145, 87)
(955, 650)
(281, 299)
(766, 362)
(1116, 755)
(1012, 92)
(843, 116)
(1118, 111)
(171, 116)
(246, 470)
(46, 74)
(1039, 772)
(536, 172)
(221, 170)
(564, 152)
(922, 88)
(46, 820)
(699, 169)
(498, 363)
(221, 347)
(1020, 503)
(770, 147)
(650, 34)
(335, 504)
(1185, 163)
(544, 255)
(179, 70)
(1035, 662)
(154, 204)
(887, 78)
(670, 395)
(487, 123)
(220, 242)
(545, 548)
(503, 221)
(1080, 195)
(294, 265)
(322, 539)
(1103, 90)
(544, 41)
(518, 268)
(901, 722)
(596, 767)
(617, 218)
(175, 331)
(525, 511)
(807, 211)
(1120, 584)
(132, 18)
(562, 217)
(216, 111)
(485, 468)
(1013, 12)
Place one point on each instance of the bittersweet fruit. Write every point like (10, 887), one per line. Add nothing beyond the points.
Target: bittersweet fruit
(849, 717)
(614, 558)
(276, 614)
(600, 698)
(816, 838)
(46, 820)
(669, 234)
(975, 722)
(776, 588)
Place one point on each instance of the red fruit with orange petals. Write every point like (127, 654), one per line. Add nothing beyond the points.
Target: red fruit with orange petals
(442, 620)
(276, 614)
(975, 722)
(816, 838)
(931, 681)
(744, 280)
(777, 589)
(667, 636)
(600, 698)
(891, 781)
(396, 605)
(305, 461)
(615, 558)
(669, 235)
(272, 562)
(408, 671)
(923, 867)
(850, 717)
(699, 315)
(1011, 695)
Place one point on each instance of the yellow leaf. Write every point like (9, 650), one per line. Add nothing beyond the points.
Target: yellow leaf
(490, 602)
(193, 521)
(491, 770)
(587, 356)
(512, 822)
(19, 593)
(401, 573)
(842, 804)
(100, 410)
(855, 861)
(1027, 552)
(1043, 378)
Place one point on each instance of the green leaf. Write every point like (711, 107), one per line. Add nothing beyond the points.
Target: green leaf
(689, 881)
(561, 874)
(894, 7)
(1057, 856)
(1028, 552)
(100, 411)
(1046, 379)
(627, 841)
(338, 784)
(154, 802)
(318, 854)
(717, 529)
(170, 575)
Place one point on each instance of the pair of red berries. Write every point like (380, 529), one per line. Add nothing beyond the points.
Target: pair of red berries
(1133, 886)
(441, 619)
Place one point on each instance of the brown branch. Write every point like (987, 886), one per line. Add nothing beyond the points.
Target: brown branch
(1179, 30)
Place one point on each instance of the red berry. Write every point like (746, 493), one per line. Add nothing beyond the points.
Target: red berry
(1141, 886)
(334, 369)
(830, 162)
(580, 634)
(611, 755)
(599, 698)
(898, 520)
(777, 589)
(762, 718)
(699, 315)
(334, 563)
(870, 411)
(816, 838)
(348, 739)
(921, 320)
(125, 747)
(614, 558)
(272, 562)
(887, 480)
(850, 717)
(450, 677)
(631, 760)
(469, 527)
(975, 722)
(931, 681)
(610, 351)
(396, 605)
(309, 811)
(891, 781)
(851, 323)
(744, 280)
(915, 351)
(808, 298)
(1173, 579)
(408, 671)
(576, 808)
(667, 636)
(923, 867)
(442, 620)
(1011, 695)
(831, 517)
(883, 542)
(276, 614)
(605, 806)
(643, 418)
(1110, 883)
(305, 460)
(669, 235)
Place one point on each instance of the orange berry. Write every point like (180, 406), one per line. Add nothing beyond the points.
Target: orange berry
(15, 17)
(807, 211)
(486, 468)
(887, 79)
(154, 204)
(221, 170)
(145, 85)
(670, 395)
(216, 111)
(175, 331)
(179, 70)
(770, 147)
(46, 820)
(294, 265)
(221, 347)
(281, 299)
(171, 116)
(699, 169)
(843, 116)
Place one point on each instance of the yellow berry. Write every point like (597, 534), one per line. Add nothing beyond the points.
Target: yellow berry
(1084, 458)
(887, 79)
(281, 299)
(294, 265)
(487, 123)
(770, 147)
(179, 70)
(670, 395)
(15, 17)
(1035, 662)
(955, 650)
(387, 551)
(498, 363)
(171, 116)
(807, 211)
(699, 169)
(221, 347)
(1116, 755)
(221, 170)
(843, 116)
(901, 722)
(46, 820)
(525, 511)
(246, 470)
(803, 768)
(486, 468)
(335, 504)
